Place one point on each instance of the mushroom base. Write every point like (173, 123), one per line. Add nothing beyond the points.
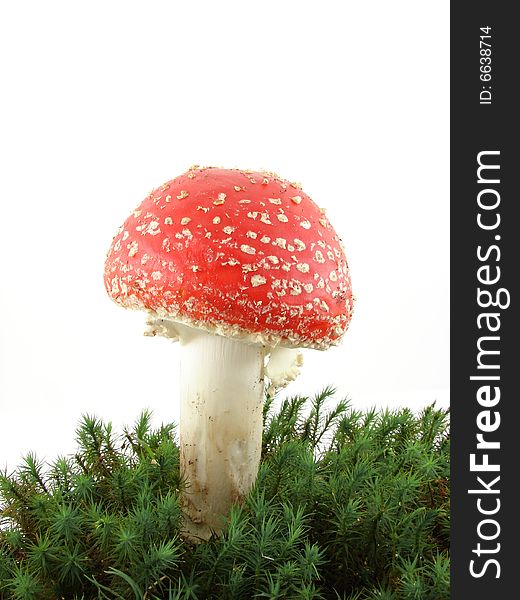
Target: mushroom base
(222, 389)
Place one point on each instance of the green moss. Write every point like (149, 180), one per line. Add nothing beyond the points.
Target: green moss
(347, 505)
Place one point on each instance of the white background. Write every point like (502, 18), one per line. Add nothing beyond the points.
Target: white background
(103, 101)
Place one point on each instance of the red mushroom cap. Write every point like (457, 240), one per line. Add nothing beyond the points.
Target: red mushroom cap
(240, 253)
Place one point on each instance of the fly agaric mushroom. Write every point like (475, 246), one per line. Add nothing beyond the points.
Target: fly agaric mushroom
(239, 266)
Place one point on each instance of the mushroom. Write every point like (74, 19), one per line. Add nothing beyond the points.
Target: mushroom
(241, 267)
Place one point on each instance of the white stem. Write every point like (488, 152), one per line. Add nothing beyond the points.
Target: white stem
(222, 389)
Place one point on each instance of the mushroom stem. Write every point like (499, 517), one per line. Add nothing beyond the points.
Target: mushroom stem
(222, 389)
